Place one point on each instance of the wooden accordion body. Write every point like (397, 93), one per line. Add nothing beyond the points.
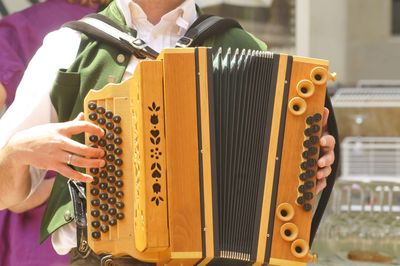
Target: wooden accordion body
(209, 161)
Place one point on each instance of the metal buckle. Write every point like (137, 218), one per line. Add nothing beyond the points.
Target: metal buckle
(184, 42)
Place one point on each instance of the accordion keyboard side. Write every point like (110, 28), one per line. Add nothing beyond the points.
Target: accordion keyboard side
(127, 200)
(298, 162)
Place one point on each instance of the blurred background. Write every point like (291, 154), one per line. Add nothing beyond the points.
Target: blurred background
(361, 38)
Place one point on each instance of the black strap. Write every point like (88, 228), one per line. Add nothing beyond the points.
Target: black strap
(78, 196)
(205, 27)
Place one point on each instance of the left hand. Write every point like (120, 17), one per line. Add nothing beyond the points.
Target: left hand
(327, 144)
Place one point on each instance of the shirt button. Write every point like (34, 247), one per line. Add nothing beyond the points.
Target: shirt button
(67, 216)
(121, 58)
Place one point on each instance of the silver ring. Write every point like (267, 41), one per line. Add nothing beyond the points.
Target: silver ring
(69, 159)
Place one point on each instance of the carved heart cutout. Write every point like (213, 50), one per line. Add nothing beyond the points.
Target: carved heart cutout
(155, 133)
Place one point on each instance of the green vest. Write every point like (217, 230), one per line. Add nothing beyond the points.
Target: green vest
(94, 64)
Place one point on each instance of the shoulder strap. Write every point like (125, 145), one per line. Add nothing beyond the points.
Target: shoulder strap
(205, 27)
(104, 29)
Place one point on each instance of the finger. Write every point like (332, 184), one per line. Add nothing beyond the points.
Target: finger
(326, 160)
(324, 172)
(325, 117)
(321, 184)
(74, 147)
(79, 117)
(79, 161)
(327, 143)
(68, 172)
(76, 127)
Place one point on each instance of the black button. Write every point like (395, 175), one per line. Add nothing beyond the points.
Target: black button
(93, 138)
(300, 200)
(305, 154)
(92, 106)
(309, 120)
(109, 114)
(308, 195)
(110, 168)
(109, 125)
(317, 117)
(112, 200)
(92, 116)
(303, 165)
(103, 196)
(102, 142)
(96, 234)
(118, 162)
(312, 151)
(94, 191)
(307, 207)
(94, 171)
(309, 184)
(311, 163)
(111, 190)
(118, 141)
(95, 180)
(117, 130)
(104, 228)
(104, 207)
(110, 147)
(315, 128)
(117, 119)
(104, 217)
(95, 213)
(110, 157)
(119, 173)
(112, 211)
(310, 173)
(119, 194)
(118, 151)
(308, 132)
(314, 139)
(95, 202)
(103, 174)
(120, 216)
(303, 176)
(110, 136)
(119, 183)
(96, 224)
(120, 205)
(301, 188)
(101, 121)
(100, 110)
(111, 179)
(103, 186)
(307, 143)
(112, 222)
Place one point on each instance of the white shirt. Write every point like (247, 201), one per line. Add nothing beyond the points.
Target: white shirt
(32, 105)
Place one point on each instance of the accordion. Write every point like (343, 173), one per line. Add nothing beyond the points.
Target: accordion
(211, 159)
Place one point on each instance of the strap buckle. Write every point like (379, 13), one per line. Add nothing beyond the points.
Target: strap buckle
(184, 42)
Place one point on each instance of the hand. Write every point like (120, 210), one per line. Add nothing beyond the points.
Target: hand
(50, 147)
(90, 2)
(327, 145)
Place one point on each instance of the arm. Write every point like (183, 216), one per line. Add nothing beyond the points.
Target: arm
(3, 96)
(36, 199)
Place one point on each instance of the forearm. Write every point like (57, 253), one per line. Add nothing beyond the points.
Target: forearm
(15, 183)
(36, 199)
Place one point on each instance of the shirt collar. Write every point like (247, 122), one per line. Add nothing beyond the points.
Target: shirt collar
(181, 17)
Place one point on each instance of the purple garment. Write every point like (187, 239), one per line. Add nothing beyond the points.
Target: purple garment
(21, 34)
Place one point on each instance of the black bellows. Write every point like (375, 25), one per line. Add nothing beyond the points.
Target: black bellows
(243, 89)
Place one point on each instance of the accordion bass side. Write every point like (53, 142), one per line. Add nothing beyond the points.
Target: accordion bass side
(210, 160)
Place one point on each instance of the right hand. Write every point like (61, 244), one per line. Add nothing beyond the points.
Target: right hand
(50, 147)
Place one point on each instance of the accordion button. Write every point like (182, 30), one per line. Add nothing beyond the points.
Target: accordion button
(306, 143)
(118, 162)
(317, 117)
(303, 176)
(111, 190)
(112, 201)
(304, 165)
(308, 132)
(308, 195)
(109, 114)
(100, 110)
(300, 200)
(119, 194)
(311, 163)
(310, 173)
(94, 171)
(309, 184)
(110, 136)
(119, 183)
(104, 207)
(96, 234)
(117, 130)
(112, 211)
(110, 157)
(103, 174)
(104, 217)
(119, 173)
(310, 120)
(96, 224)
(307, 207)
(93, 138)
(112, 222)
(314, 139)
(117, 119)
(315, 128)
(95, 213)
(104, 228)
(109, 125)
(94, 191)
(120, 216)
(110, 147)
(120, 58)
(110, 168)
(92, 106)
(103, 196)
(118, 151)
(102, 142)
(92, 116)
(301, 188)
(120, 205)
(95, 180)
(305, 154)
(95, 202)
(118, 141)
(312, 151)
(111, 179)
(101, 121)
